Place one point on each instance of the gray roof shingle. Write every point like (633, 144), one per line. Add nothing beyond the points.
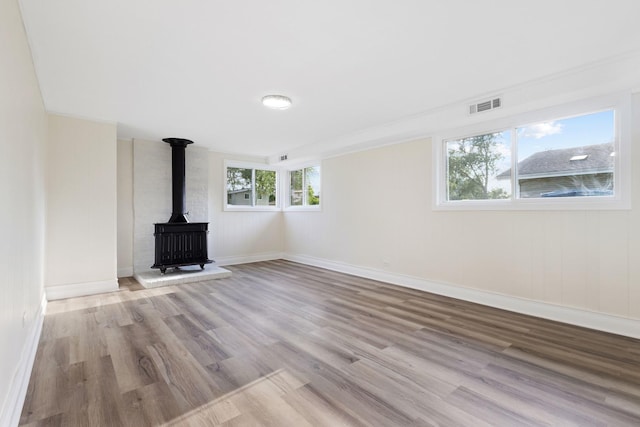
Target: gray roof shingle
(559, 163)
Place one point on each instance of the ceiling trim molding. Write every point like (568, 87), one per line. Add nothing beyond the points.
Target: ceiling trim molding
(89, 119)
(30, 44)
(615, 74)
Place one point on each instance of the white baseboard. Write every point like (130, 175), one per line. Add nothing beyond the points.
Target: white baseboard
(125, 272)
(10, 416)
(589, 319)
(231, 260)
(80, 289)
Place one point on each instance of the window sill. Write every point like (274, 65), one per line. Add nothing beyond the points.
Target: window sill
(573, 204)
(232, 208)
(315, 208)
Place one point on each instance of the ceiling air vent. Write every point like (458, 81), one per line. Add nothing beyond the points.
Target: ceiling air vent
(487, 105)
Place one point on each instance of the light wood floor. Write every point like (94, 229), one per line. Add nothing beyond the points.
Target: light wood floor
(281, 344)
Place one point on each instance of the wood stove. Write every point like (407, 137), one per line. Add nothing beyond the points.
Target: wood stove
(178, 242)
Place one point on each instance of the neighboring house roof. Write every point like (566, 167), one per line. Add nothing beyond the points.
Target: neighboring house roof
(558, 162)
(244, 190)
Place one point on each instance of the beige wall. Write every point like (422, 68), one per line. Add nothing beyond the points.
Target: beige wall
(377, 214)
(23, 134)
(239, 236)
(81, 204)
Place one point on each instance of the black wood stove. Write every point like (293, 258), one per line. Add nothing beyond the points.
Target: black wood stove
(179, 242)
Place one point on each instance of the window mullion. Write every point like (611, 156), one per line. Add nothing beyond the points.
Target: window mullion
(288, 190)
(253, 187)
(515, 188)
(305, 202)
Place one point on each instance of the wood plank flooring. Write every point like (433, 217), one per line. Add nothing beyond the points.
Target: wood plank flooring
(282, 344)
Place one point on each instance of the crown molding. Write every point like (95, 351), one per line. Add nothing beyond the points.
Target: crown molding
(86, 118)
(615, 74)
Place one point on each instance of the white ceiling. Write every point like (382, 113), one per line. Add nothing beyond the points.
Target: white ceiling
(197, 69)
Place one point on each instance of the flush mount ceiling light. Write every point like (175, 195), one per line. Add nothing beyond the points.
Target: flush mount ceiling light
(276, 102)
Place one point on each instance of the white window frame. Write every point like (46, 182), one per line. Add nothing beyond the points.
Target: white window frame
(621, 103)
(287, 188)
(253, 166)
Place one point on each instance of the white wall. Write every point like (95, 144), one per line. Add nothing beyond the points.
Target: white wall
(81, 207)
(377, 214)
(144, 196)
(237, 237)
(23, 134)
(125, 208)
(152, 193)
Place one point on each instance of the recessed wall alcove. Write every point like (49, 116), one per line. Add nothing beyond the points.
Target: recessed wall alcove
(152, 194)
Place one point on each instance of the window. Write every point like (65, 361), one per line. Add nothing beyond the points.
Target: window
(566, 162)
(473, 164)
(567, 158)
(559, 158)
(251, 187)
(304, 186)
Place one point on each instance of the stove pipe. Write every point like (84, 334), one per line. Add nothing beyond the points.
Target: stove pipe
(178, 178)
